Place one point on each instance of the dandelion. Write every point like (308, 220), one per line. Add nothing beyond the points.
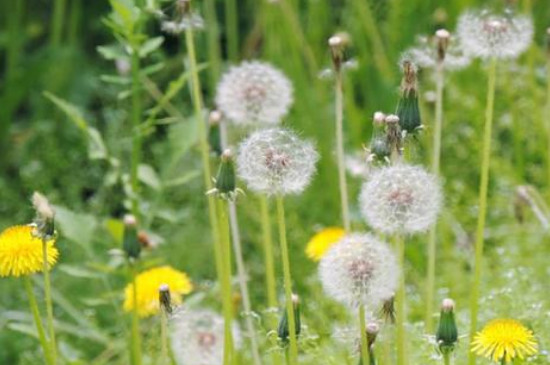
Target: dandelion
(504, 340)
(197, 337)
(487, 35)
(276, 162)
(148, 283)
(408, 110)
(254, 93)
(183, 19)
(400, 199)
(21, 252)
(426, 53)
(322, 241)
(359, 269)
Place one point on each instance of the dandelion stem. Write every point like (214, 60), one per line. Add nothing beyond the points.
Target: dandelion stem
(136, 338)
(164, 359)
(48, 300)
(214, 51)
(400, 302)
(447, 359)
(57, 22)
(483, 187)
(436, 157)
(340, 150)
(38, 321)
(365, 354)
(267, 240)
(232, 29)
(548, 112)
(293, 353)
(225, 249)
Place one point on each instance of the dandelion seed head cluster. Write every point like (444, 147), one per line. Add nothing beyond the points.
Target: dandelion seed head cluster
(276, 161)
(504, 339)
(400, 199)
(148, 283)
(188, 21)
(359, 269)
(21, 252)
(322, 241)
(487, 35)
(197, 337)
(425, 54)
(254, 93)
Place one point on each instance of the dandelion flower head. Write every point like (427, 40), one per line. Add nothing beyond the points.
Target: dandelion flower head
(504, 340)
(276, 161)
(359, 269)
(148, 283)
(21, 252)
(486, 35)
(400, 198)
(254, 93)
(319, 244)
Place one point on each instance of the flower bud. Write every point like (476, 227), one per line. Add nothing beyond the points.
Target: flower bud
(442, 36)
(378, 119)
(379, 147)
(447, 333)
(165, 299)
(282, 329)
(214, 137)
(130, 241)
(388, 310)
(45, 214)
(407, 108)
(225, 179)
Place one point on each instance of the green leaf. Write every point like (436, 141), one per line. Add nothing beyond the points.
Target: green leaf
(77, 227)
(78, 271)
(183, 136)
(116, 228)
(149, 177)
(183, 179)
(150, 46)
(112, 52)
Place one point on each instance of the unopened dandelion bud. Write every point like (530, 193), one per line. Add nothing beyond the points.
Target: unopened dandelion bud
(372, 332)
(407, 108)
(380, 148)
(388, 309)
(214, 135)
(165, 299)
(379, 119)
(447, 333)
(338, 44)
(226, 187)
(282, 329)
(45, 217)
(130, 241)
(442, 36)
(393, 134)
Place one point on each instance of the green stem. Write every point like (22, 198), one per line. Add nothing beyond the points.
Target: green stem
(167, 356)
(446, 359)
(548, 113)
(136, 338)
(436, 158)
(38, 321)
(365, 353)
(483, 187)
(232, 29)
(214, 52)
(75, 21)
(340, 151)
(48, 300)
(225, 248)
(57, 23)
(293, 353)
(400, 303)
(136, 134)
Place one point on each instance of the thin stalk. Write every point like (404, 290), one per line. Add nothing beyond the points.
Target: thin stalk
(38, 321)
(436, 158)
(48, 300)
(241, 269)
(293, 353)
(57, 22)
(483, 187)
(75, 20)
(365, 353)
(135, 350)
(225, 248)
(548, 113)
(212, 32)
(232, 29)
(400, 303)
(338, 89)
(447, 359)
(167, 356)
(136, 134)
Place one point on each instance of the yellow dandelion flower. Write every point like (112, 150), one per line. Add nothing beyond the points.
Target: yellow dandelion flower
(319, 244)
(148, 283)
(21, 252)
(504, 340)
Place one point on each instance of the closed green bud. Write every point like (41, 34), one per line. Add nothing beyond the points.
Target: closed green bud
(225, 180)
(282, 329)
(447, 333)
(214, 135)
(130, 241)
(407, 108)
(380, 147)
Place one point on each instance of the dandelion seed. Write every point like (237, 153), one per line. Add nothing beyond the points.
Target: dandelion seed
(504, 340)
(21, 252)
(427, 54)
(357, 164)
(183, 19)
(322, 241)
(197, 337)
(359, 269)
(254, 93)
(148, 283)
(486, 35)
(276, 161)
(400, 198)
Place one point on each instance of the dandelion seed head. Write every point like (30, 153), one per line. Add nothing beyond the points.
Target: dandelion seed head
(276, 161)
(400, 198)
(43, 208)
(188, 21)
(197, 337)
(486, 35)
(254, 93)
(425, 52)
(359, 269)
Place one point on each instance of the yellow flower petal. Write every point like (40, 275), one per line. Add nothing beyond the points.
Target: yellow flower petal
(319, 244)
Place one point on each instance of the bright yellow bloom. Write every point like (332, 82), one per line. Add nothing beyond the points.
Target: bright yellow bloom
(148, 283)
(504, 338)
(21, 253)
(319, 244)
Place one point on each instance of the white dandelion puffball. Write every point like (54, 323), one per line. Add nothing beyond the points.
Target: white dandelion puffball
(400, 198)
(276, 161)
(425, 54)
(487, 35)
(254, 93)
(359, 269)
(197, 337)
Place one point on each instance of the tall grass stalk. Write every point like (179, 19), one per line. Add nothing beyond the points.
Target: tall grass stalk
(436, 158)
(548, 105)
(339, 128)
(483, 187)
(400, 303)
(57, 22)
(212, 33)
(293, 351)
(232, 29)
(135, 346)
(136, 133)
(365, 354)
(48, 300)
(38, 321)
